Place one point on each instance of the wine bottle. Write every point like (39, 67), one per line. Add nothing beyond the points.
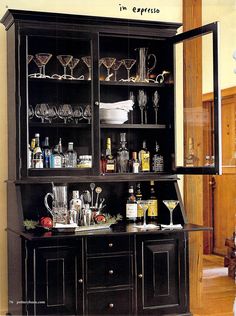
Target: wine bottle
(153, 204)
(47, 152)
(139, 197)
(110, 160)
(37, 155)
(131, 206)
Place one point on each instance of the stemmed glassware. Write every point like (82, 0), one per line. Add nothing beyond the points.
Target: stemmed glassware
(88, 62)
(128, 63)
(142, 101)
(132, 98)
(87, 113)
(41, 111)
(116, 66)
(43, 58)
(144, 204)
(30, 112)
(40, 66)
(77, 113)
(72, 64)
(52, 113)
(65, 60)
(108, 62)
(65, 112)
(29, 58)
(155, 102)
(171, 205)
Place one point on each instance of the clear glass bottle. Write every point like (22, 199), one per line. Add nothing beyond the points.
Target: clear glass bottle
(191, 160)
(47, 152)
(157, 160)
(123, 155)
(110, 160)
(70, 156)
(131, 206)
(37, 155)
(144, 158)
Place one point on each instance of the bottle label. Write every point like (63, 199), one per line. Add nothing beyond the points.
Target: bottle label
(139, 211)
(136, 167)
(38, 163)
(152, 208)
(110, 167)
(145, 158)
(57, 163)
(131, 210)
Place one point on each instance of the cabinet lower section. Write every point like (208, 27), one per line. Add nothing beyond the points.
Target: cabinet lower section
(111, 274)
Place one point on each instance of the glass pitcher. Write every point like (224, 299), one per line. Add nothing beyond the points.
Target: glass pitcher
(59, 208)
(142, 59)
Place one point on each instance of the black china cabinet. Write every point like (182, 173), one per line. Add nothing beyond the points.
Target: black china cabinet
(122, 270)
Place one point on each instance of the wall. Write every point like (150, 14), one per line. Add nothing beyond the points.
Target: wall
(116, 8)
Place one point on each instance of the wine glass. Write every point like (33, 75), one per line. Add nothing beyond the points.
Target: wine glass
(41, 111)
(77, 113)
(116, 66)
(88, 62)
(171, 205)
(144, 204)
(132, 98)
(128, 63)
(87, 113)
(155, 102)
(72, 64)
(142, 101)
(44, 59)
(64, 60)
(108, 62)
(52, 113)
(65, 112)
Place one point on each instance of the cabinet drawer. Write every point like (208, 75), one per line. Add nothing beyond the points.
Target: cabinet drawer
(117, 302)
(108, 244)
(109, 271)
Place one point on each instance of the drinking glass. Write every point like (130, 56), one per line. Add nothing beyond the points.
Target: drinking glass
(52, 113)
(29, 58)
(77, 113)
(155, 103)
(128, 63)
(65, 112)
(40, 66)
(72, 64)
(88, 62)
(44, 59)
(64, 60)
(30, 112)
(142, 101)
(108, 62)
(144, 204)
(171, 205)
(116, 67)
(41, 111)
(87, 113)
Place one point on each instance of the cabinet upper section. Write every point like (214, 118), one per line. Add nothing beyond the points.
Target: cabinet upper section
(100, 96)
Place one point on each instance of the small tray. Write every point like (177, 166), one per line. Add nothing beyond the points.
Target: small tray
(71, 229)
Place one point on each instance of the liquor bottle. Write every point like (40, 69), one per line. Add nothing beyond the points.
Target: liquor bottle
(61, 153)
(32, 146)
(110, 160)
(75, 207)
(131, 206)
(37, 154)
(47, 152)
(153, 204)
(103, 164)
(122, 159)
(144, 158)
(56, 158)
(135, 164)
(139, 197)
(157, 160)
(191, 160)
(70, 156)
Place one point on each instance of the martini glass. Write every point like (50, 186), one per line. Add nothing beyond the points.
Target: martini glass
(65, 60)
(144, 204)
(171, 205)
(116, 67)
(128, 63)
(88, 62)
(108, 62)
(40, 66)
(43, 59)
(72, 64)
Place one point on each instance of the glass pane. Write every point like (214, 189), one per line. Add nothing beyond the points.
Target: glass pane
(59, 105)
(194, 118)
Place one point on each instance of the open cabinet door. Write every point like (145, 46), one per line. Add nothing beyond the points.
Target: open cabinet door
(197, 129)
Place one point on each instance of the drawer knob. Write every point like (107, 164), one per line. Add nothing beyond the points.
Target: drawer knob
(81, 280)
(111, 305)
(96, 103)
(110, 245)
(111, 272)
(140, 276)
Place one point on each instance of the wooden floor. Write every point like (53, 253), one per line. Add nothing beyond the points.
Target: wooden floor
(219, 290)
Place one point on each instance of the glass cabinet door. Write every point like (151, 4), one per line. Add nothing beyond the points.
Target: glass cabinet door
(197, 124)
(58, 103)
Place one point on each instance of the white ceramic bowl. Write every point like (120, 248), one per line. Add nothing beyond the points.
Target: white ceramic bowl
(113, 116)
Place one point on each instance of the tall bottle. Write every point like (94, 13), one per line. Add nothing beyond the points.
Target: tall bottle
(31, 154)
(139, 197)
(70, 156)
(56, 158)
(47, 152)
(153, 204)
(135, 164)
(157, 160)
(37, 154)
(60, 150)
(122, 155)
(131, 206)
(110, 160)
(144, 158)
(191, 160)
